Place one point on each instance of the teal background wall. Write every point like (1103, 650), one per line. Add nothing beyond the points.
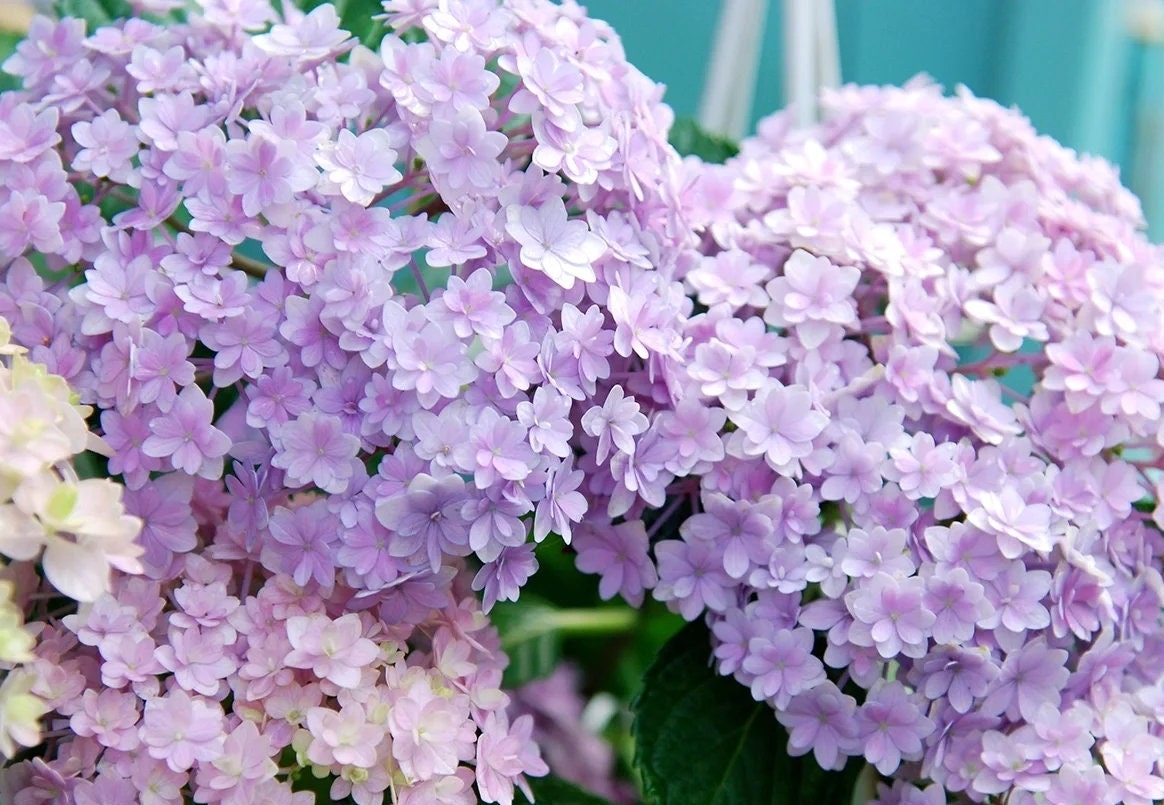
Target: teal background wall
(1069, 65)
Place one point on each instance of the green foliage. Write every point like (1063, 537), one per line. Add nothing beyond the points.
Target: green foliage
(91, 465)
(95, 13)
(701, 740)
(690, 140)
(556, 791)
(612, 651)
(532, 632)
(8, 43)
(533, 647)
(117, 202)
(611, 642)
(223, 398)
(355, 18)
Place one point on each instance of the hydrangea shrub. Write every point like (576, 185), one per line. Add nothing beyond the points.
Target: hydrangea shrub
(365, 332)
(352, 324)
(932, 339)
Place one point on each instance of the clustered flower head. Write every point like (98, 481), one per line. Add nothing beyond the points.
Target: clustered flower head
(419, 281)
(182, 688)
(928, 346)
(879, 399)
(76, 529)
(353, 323)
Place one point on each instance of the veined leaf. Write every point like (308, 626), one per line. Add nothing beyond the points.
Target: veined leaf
(700, 739)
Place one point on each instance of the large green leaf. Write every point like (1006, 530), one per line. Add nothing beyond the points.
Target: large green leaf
(556, 791)
(700, 739)
(690, 140)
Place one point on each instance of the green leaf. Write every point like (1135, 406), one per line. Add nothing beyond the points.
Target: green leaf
(533, 647)
(532, 630)
(701, 739)
(356, 17)
(690, 140)
(94, 12)
(90, 465)
(116, 203)
(556, 791)
(8, 42)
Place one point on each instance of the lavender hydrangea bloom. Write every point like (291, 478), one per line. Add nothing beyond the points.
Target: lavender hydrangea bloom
(313, 449)
(426, 520)
(780, 426)
(615, 423)
(302, 545)
(529, 315)
(821, 720)
(692, 575)
(186, 437)
(619, 555)
(891, 727)
(964, 524)
(782, 665)
(563, 250)
(889, 613)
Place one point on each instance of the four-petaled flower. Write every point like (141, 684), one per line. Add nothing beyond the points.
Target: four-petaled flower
(562, 249)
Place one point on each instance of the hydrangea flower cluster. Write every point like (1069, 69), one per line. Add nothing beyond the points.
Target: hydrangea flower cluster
(928, 350)
(413, 281)
(76, 529)
(351, 321)
(183, 689)
(879, 399)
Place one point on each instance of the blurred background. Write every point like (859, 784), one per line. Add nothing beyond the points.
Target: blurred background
(1089, 73)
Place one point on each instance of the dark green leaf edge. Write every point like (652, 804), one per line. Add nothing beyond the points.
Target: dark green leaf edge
(557, 791)
(700, 739)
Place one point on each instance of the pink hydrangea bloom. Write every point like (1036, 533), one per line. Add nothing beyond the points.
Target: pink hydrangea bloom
(331, 649)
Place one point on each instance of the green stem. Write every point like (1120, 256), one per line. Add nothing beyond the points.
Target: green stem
(249, 266)
(592, 621)
(597, 620)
